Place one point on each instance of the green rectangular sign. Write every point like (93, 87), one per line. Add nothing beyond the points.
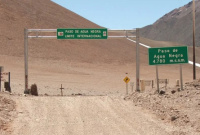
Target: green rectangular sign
(168, 55)
(82, 33)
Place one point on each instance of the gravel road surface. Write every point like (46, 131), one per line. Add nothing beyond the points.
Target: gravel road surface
(84, 115)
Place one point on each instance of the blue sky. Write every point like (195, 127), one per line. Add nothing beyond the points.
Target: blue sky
(122, 14)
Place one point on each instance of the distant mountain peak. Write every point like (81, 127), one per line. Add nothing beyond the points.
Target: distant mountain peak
(180, 12)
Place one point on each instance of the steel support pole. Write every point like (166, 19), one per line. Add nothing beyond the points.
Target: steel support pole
(126, 34)
(26, 59)
(137, 61)
(9, 80)
(181, 77)
(157, 79)
(194, 59)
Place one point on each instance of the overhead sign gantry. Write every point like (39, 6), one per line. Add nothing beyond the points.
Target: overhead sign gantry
(78, 33)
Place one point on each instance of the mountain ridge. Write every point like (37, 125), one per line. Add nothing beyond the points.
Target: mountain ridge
(175, 26)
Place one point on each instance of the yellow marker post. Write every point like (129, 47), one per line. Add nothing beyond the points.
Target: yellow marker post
(126, 80)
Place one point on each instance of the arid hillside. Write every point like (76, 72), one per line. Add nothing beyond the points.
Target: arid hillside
(176, 26)
(45, 14)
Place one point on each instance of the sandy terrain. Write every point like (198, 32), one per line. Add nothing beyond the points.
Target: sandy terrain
(100, 110)
(103, 90)
(7, 113)
(148, 113)
(178, 107)
(99, 115)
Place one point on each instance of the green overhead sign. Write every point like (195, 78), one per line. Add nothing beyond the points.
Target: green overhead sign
(82, 33)
(168, 55)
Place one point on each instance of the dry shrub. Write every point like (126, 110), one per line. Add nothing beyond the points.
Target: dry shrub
(34, 90)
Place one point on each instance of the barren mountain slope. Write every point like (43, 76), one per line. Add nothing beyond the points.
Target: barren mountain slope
(175, 26)
(20, 14)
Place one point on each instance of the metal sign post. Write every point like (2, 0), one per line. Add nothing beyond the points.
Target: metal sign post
(26, 59)
(1, 70)
(181, 77)
(9, 79)
(157, 79)
(137, 61)
(194, 55)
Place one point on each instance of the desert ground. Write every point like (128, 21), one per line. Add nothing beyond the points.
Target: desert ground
(95, 99)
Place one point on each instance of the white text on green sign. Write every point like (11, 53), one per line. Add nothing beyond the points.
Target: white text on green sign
(82, 33)
(168, 55)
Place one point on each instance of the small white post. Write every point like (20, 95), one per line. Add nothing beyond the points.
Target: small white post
(132, 85)
(126, 88)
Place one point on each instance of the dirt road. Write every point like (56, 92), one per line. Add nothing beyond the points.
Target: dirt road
(84, 115)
